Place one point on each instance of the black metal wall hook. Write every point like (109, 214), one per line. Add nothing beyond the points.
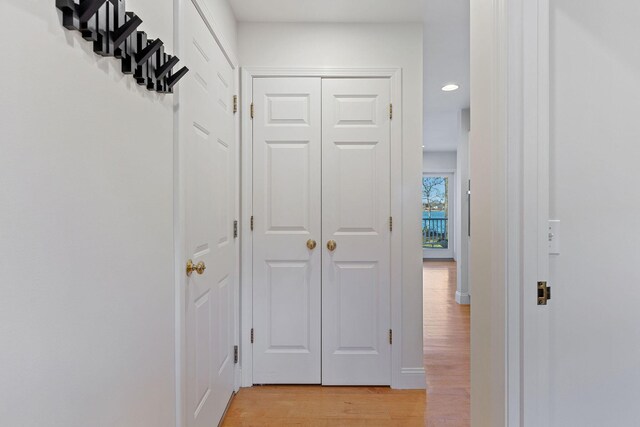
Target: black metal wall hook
(166, 67)
(88, 8)
(113, 32)
(125, 30)
(175, 78)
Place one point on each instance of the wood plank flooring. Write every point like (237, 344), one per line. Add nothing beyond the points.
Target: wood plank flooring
(447, 344)
(446, 403)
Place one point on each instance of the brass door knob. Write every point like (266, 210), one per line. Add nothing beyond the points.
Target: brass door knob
(332, 245)
(311, 244)
(198, 268)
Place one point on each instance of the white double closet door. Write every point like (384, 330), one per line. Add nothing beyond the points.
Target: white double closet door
(321, 173)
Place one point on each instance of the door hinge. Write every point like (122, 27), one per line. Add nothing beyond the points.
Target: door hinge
(235, 104)
(390, 336)
(251, 222)
(544, 293)
(251, 335)
(252, 110)
(391, 111)
(390, 223)
(235, 229)
(235, 354)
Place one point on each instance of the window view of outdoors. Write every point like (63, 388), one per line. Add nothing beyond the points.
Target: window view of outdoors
(435, 212)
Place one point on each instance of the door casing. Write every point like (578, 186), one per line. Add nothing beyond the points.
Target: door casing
(510, 71)
(247, 76)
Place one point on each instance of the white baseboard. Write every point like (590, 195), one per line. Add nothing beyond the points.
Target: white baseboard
(463, 298)
(412, 379)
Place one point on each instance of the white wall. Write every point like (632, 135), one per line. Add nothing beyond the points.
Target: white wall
(87, 315)
(441, 129)
(463, 293)
(439, 161)
(595, 134)
(365, 45)
(486, 268)
(86, 225)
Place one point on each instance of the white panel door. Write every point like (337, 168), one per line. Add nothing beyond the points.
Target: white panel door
(207, 135)
(356, 206)
(286, 210)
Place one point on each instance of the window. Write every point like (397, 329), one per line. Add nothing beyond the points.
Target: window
(435, 212)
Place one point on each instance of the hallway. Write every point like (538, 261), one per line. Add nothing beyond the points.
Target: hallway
(447, 344)
(446, 349)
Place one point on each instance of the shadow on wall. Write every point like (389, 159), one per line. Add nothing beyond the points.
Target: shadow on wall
(111, 67)
(612, 27)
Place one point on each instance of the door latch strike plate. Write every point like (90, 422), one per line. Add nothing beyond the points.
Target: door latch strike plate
(544, 293)
(235, 229)
(235, 354)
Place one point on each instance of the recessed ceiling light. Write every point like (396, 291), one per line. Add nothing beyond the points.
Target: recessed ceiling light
(450, 87)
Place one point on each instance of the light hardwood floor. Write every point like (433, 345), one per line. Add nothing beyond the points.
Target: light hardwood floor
(447, 345)
(446, 355)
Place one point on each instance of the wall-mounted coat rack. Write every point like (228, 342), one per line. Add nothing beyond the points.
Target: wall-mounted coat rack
(113, 32)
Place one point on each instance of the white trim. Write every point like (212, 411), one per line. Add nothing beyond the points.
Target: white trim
(463, 298)
(324, 72)
(246, 235)
(527, 324)
(238, 189)
(490, 170)
(513, 406)
(395, 75)
(397, 143)
(437, 171)
(179, 237)
(412, 379)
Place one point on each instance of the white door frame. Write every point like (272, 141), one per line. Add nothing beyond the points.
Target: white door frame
(247, 76)
(521, 109)
(179, 211)
(517, 141)
(453, 226)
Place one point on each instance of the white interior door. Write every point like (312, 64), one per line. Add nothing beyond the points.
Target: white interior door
(356, 206)
(286, 216)
(207, 135)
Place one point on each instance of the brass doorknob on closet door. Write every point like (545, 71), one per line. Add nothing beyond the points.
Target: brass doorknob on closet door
(332, 245)
(311, 244)
(198, 268)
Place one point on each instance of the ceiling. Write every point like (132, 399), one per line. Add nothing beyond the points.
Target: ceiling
(446, 60)
(328, 10)
(446, 46)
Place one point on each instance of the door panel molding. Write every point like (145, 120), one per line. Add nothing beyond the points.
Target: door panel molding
(216, 32)
(356, 205)
(400, 378)
(287, 286)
